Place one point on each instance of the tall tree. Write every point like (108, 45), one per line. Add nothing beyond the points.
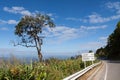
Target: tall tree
(90, 51)
(29, 30)
(100, 53)
(113, 45)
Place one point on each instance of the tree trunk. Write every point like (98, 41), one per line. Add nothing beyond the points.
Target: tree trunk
(38, 46)
(40, 55)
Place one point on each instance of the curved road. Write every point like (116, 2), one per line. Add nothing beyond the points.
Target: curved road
(109, 71)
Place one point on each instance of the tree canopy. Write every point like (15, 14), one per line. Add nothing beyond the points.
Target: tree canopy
(112, 49)
(100, 53)
(29, 30)
(113, 44)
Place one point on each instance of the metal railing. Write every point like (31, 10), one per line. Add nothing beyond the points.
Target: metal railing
(80, 73)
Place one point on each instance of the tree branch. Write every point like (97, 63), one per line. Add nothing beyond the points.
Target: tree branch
(25, 44)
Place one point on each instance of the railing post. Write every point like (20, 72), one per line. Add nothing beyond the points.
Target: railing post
(84, 64)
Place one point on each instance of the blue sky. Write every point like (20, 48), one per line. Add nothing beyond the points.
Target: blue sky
(81, 25)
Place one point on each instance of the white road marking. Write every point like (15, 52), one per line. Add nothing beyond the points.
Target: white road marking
(105, 78)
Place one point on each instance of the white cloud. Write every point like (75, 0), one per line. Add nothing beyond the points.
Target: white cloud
(50, 14)
(53, 16)
(93, 27)
(8, 22)
(91, 45)
(2, 21)
(64, 33)
(73, 19)
(114, 6)
(101, 42)
(68, 33)
(4, 29)
(103, 38)
(97, 18)
(23, 11)
(12, 22)
(17, 10)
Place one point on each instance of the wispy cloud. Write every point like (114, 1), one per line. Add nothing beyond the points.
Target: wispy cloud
(91, 45)
(2, 21)
(114, 6)
(93, 27)
(50, 14)
(64, 33)
(17, 10)
(8, 22)
(12, 22)
(23, 11)
(73, 19)
(97, 18)
(101, 42)
(103, 38)
(4, 29)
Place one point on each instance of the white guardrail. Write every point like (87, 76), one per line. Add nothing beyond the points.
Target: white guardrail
(80, 73)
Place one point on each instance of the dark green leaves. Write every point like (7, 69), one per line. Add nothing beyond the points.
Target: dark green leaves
(30, 27)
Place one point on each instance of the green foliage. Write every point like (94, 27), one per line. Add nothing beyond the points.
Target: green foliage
(30, 27)
(50, 69)
(23, 72)
(58, 69)
(113, 44)
(90, 51)
(112, 49)
(29, 30)
(101, 53)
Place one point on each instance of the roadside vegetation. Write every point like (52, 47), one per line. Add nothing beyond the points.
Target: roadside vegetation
(30, 32)
(112, 49)
(50, 69)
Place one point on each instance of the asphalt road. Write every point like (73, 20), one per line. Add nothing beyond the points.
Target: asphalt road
(109, 71)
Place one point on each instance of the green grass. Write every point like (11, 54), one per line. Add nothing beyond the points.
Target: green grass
(51, 69)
